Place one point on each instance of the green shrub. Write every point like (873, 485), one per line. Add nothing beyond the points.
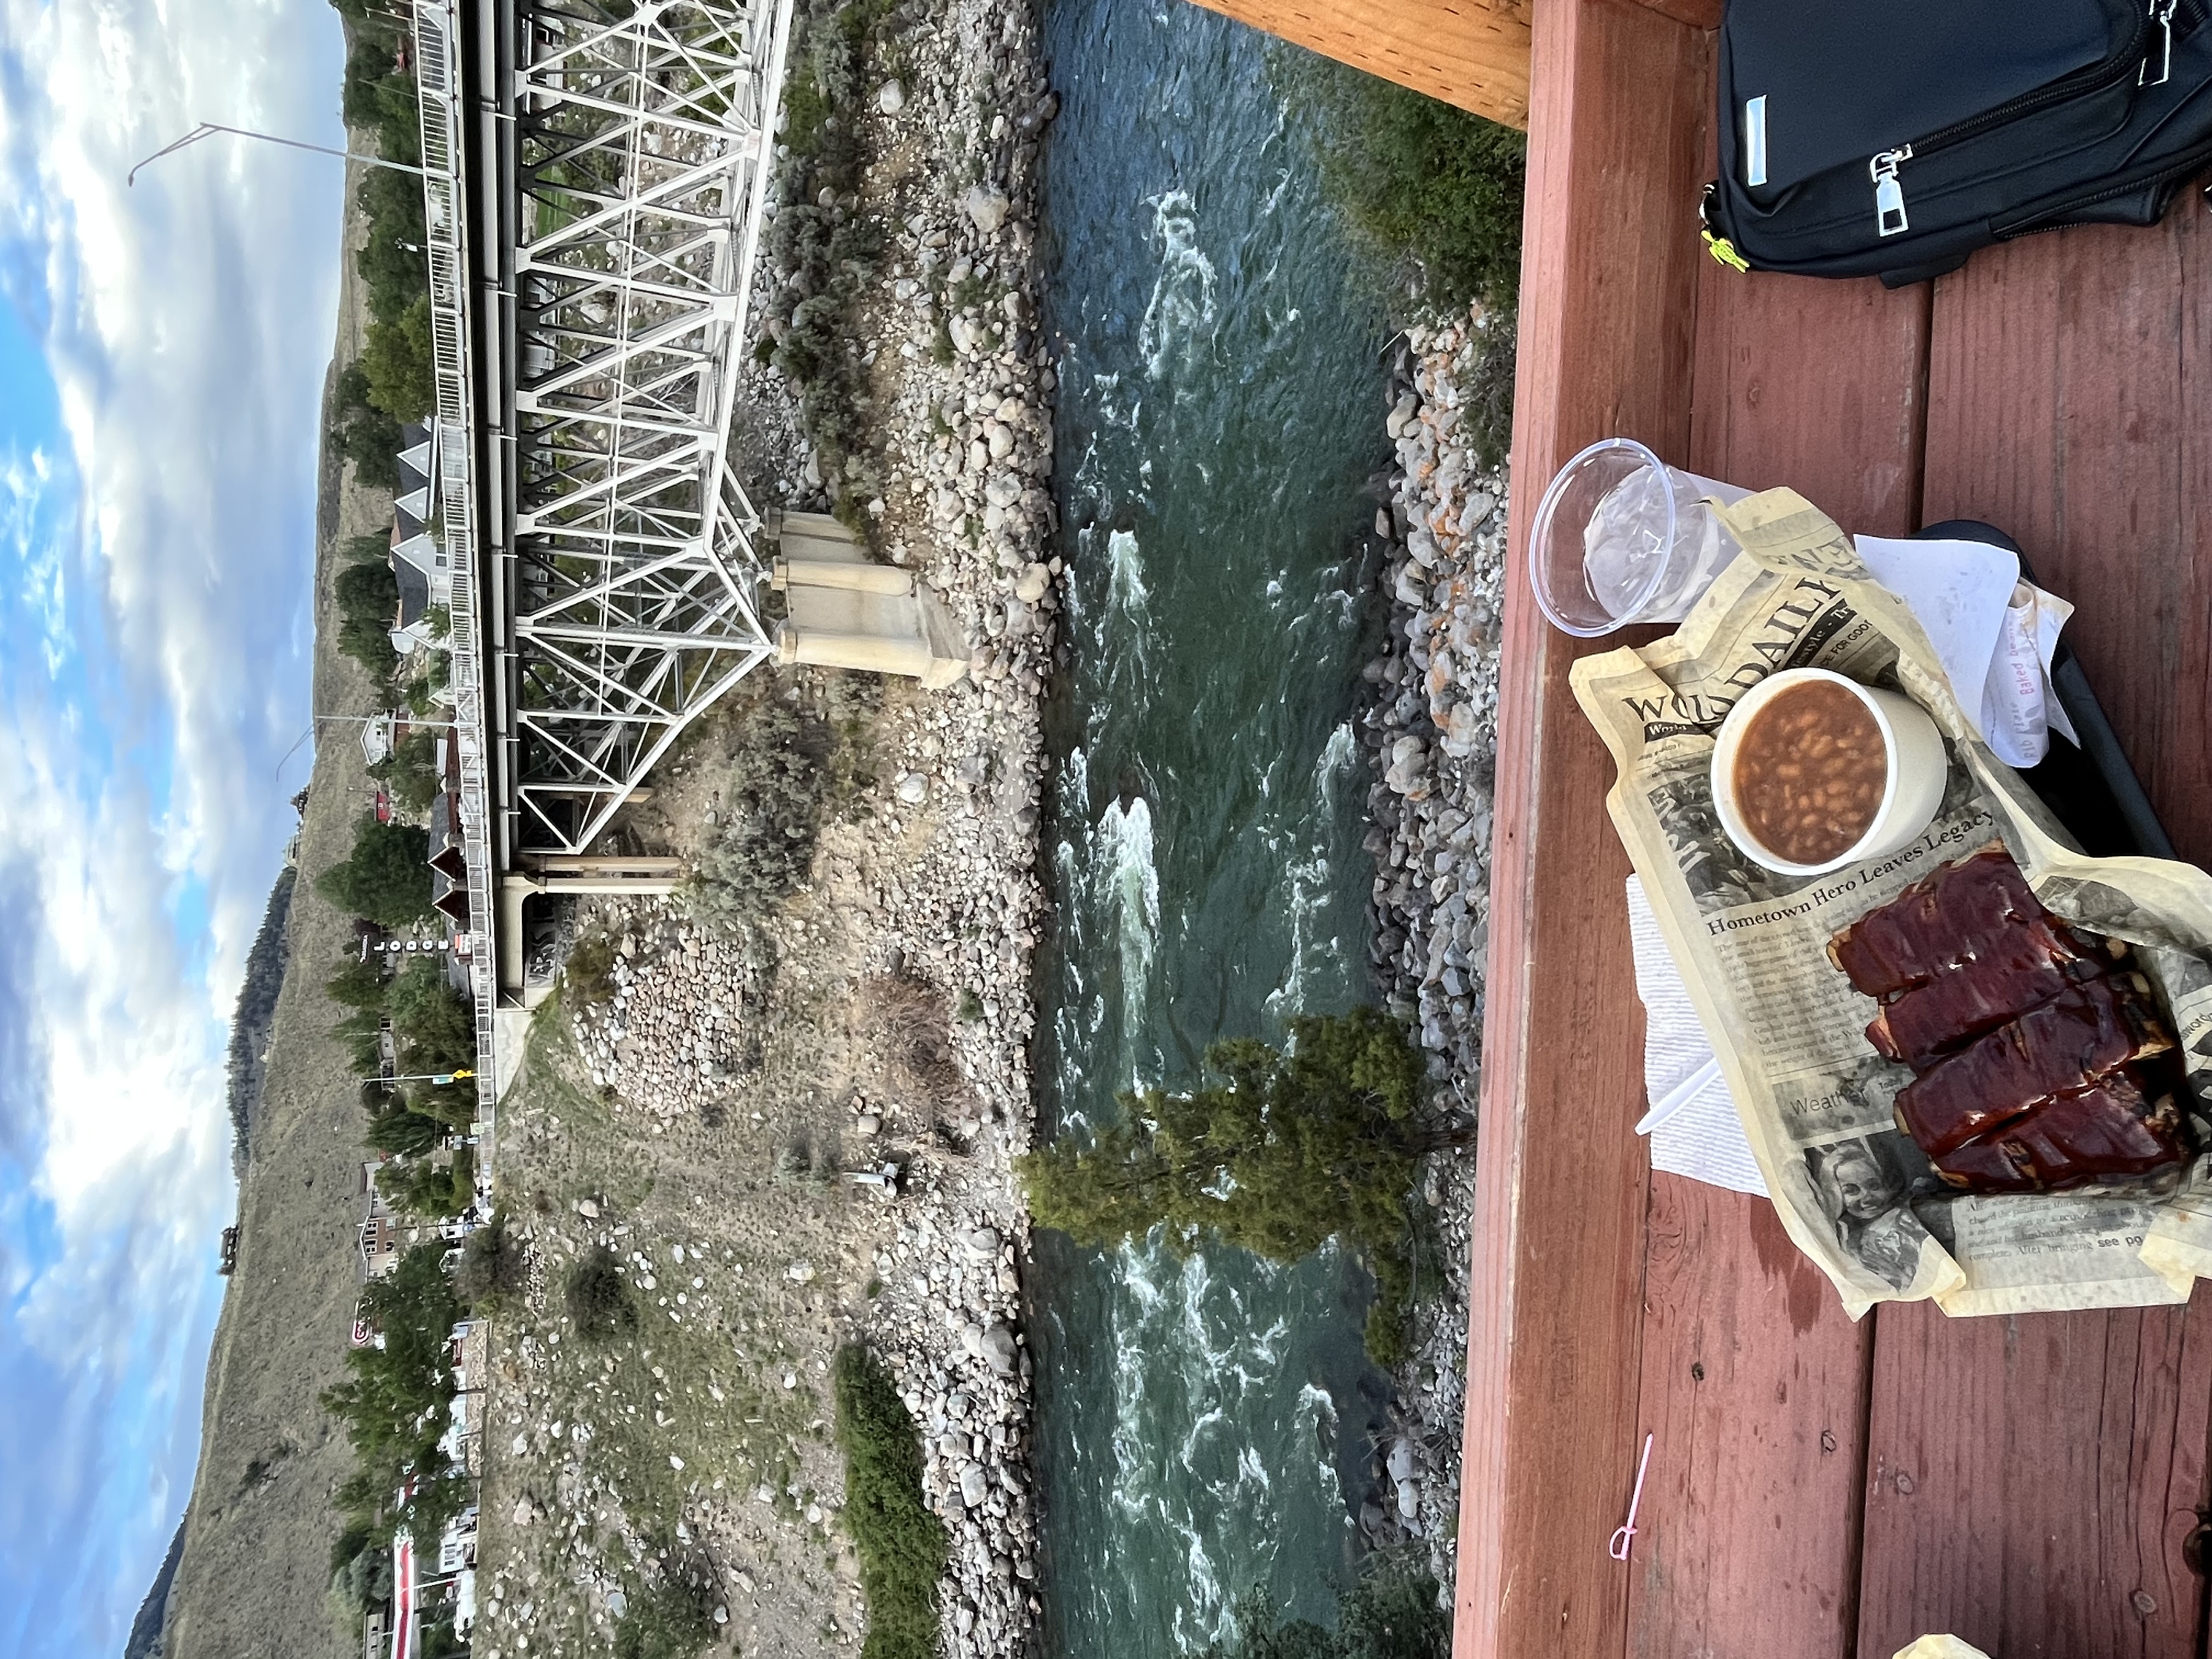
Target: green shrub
(826, 265)
(1390, 1612)
(1421, 180)
(386, 877)
(494, 1264)
(901, 1545)
(777, 780)
(588, 975)
(599, 1298)
(1436, 193)
(671, 1620)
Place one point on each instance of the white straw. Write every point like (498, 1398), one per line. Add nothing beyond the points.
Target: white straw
(1677, 1096)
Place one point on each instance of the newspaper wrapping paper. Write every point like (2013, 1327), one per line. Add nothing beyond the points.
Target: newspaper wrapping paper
(1853, 1191)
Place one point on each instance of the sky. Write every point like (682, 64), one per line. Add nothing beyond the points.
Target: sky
(162, 352)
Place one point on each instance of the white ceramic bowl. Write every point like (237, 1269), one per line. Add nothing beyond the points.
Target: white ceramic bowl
(1914, 789)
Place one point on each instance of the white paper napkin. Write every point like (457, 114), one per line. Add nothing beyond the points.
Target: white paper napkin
(1993, 634)
(1705, 1141)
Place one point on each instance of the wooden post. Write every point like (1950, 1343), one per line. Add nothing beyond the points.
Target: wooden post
(1473, 53)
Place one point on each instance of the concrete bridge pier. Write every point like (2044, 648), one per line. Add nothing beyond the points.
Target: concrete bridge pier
(844, 610)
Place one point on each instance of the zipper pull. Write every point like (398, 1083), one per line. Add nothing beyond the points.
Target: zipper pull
(2161, 13)
(1889, 195)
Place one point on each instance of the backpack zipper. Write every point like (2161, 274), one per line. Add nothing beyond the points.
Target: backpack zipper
(1889, 215)
(1889, 195)
(2162, 14)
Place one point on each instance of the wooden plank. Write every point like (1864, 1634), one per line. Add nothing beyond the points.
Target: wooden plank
(1618, 95)
(1816, 384)
(1754, 1390)
(2031, 1481)
(1754, 1382)
(2069, 387)
(1473, 53)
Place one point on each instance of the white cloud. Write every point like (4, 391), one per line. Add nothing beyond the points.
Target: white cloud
(188, 321)
(154, 665)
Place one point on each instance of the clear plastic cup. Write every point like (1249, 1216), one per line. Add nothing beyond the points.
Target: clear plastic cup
(1621, 537)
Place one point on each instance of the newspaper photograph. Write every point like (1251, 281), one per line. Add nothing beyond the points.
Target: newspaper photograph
(1818, 1101)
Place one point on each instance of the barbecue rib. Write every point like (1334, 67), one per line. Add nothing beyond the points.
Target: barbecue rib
(2040, 1058)
(1977, 912)
(2124, 1124)
(2081, 1034)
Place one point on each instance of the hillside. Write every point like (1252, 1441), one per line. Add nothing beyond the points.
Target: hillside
(261, 1525)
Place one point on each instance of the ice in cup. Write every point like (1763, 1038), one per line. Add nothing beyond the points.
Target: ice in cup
(1620, 538)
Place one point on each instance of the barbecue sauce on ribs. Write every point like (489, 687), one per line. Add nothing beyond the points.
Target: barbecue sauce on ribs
(2040, 1060)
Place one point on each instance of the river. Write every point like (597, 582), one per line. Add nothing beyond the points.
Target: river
(1202, 1421)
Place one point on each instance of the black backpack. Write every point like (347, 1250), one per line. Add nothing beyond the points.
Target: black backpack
(1893, 138)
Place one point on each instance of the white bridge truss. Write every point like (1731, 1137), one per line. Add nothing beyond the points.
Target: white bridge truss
(643, 145)
(595, 173)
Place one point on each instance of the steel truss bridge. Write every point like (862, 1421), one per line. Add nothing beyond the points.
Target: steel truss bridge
(595, 173)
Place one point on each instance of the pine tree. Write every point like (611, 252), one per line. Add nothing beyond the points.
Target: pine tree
(386, 878)
(1291, 1149)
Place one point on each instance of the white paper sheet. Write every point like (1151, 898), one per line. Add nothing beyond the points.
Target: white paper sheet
(1990, 631)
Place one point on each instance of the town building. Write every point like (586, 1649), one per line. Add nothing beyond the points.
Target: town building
(418, 554)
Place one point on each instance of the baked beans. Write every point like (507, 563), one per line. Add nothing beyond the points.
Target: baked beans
(1810, 773)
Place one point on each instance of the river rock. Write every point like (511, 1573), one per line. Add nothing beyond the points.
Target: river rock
(890, 98)
(975, 1484)
(1000, 1348)
(1035, 583)
(913, 788)
(1462, 733)
(986, 207)
(1408, 769)
(1400, 1463)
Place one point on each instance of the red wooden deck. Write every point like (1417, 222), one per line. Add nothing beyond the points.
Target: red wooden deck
(1817, 1488)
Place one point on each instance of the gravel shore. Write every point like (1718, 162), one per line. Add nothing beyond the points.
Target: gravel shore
(1432, 734)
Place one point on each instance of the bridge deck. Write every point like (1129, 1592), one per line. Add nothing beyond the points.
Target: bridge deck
(1817, 1488)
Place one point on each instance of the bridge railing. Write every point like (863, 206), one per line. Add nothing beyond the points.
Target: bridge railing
(437, 70)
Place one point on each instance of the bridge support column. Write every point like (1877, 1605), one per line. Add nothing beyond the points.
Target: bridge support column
(846, 611)
(554, 874)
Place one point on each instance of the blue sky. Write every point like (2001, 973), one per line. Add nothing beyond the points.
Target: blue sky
(162, 351)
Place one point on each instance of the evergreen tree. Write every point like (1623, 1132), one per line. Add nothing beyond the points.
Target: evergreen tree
(359, 982)
(404, 1132)
(368, 595)
(394, 1400)
(366, 436)
(1291, 1149)
(386, 878)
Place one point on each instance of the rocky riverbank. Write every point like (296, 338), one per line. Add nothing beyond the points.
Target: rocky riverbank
(1431, 730)
(822, 1119)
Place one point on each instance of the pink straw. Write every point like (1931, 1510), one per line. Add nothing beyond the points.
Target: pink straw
(1624, 1535)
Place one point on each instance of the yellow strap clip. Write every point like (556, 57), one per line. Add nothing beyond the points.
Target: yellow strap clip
(1724, 250)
